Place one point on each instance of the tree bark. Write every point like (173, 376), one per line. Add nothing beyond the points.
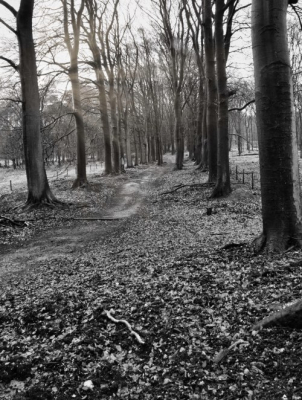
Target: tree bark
(178, 132)
(78, 114)
(280, 188)
(223, 182)
(115, 138)
(211, 107)
(38, 187)
(73, 50)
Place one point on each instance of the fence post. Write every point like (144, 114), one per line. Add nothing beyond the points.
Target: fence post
(243, 176)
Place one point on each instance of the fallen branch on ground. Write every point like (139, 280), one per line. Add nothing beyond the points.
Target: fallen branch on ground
(207, 184)
(223, 353)
(91, 219)
(233, 245)
(123, 321)
(289, 316)
(15, 222)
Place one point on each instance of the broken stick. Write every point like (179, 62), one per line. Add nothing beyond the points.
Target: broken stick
(123, 321)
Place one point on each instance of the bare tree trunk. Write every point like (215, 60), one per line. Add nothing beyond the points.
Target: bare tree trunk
(223, 183)
(127, 139)
(105, 121)
(78, 114)
(211, 91)
(115, 138)
(119, 120)
(205, 150)
(73, 50)
(280, 189)
(199, 154)
(178, 133)
(37, 183)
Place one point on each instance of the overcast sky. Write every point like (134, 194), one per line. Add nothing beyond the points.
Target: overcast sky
(240, 63)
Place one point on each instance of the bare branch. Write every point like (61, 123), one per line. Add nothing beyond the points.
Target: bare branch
(8, 26)
(9, 7)
(297, 14)
(11, 63)
(242, 108)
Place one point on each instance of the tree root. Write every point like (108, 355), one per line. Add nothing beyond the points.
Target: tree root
(202, 167)
(82, 184)
(275, 244)
(47, 202)
(258, 244)
(220, 191)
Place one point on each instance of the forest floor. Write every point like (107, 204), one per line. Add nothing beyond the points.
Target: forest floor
(140, 247)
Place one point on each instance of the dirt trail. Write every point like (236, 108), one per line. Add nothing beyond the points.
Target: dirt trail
(66, 242)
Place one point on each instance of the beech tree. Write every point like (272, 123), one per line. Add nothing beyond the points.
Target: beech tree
(222, 47)
(280, 188)
(93, 30)
(195, 25)
(110, 59)
(211, 90)
(152, 80)
(37, 183)
(176, 42)
(72, 20)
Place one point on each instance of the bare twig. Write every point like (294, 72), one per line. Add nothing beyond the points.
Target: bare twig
(123, 321)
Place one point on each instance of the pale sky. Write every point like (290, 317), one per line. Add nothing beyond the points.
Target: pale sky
(240, 63)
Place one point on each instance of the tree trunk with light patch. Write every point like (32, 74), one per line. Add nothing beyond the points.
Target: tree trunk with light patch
(78, 115)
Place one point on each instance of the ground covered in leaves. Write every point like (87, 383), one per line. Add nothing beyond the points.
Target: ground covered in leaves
(189, 285)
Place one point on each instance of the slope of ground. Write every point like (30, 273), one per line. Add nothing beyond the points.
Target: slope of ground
(188, 284)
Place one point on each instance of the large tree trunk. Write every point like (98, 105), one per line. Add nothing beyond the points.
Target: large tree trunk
(78, 114)
(73, 50)
(105, 121)
(178, 133)
(280, 189)
(115, 138)
(199, 154)
(38, 187)
(205, 150)
(127, 139)
(223, 182)
(211, 91)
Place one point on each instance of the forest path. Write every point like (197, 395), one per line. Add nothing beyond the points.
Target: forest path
(81, 234)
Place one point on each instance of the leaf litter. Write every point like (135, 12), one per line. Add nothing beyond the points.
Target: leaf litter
(169, 273)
